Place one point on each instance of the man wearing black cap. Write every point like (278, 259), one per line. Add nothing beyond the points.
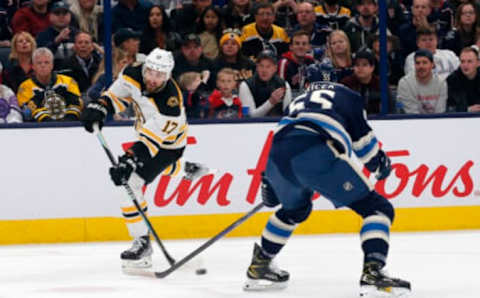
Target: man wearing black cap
(60, 36)
(129, 41)
(422, 91)
(364, 81)
(265, 94)
(191, 58)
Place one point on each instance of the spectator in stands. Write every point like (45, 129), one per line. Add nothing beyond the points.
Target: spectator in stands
(60, 35)
(464, 83)
(395, 58)
(465, 31)
(159, 32)
(263, 34)
(265, 94)
(446, 61)
(9, 110)
(210, 27)
(364, 81)
(338, 56)
(120, 59)
(48, 96)
(332, 14)
(292, 67)
(231, 56)
(362, 27)
(129, 41)
(19, 67)
(285, 13)
(5, 32)
(89, 16)
(421, 91)
(408, 31)
(395, 15)
(224, 103)
(238, 13)
(306, 21)
(130, 14)
(187, 18)
(195, 101)
(191, 58)
(84, 63)
(441, 17)
(32, 19)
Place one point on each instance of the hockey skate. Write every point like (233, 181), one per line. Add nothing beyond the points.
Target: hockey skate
(262, 274)
(194, 170)
(139, 255)
(375, 283)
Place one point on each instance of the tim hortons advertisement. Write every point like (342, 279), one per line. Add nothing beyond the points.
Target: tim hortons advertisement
(63, 172)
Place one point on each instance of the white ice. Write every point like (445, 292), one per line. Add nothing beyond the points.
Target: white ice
(439, 265)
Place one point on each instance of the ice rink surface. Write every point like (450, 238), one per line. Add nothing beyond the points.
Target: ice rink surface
(439, 265)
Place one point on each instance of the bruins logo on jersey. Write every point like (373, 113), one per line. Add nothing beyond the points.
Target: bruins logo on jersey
(172, 101)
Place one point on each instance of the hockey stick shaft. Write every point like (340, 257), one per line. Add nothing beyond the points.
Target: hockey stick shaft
(132, 196)
(208, 243)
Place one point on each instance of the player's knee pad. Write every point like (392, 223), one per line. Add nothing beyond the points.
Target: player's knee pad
(374, 204)
(295, 216)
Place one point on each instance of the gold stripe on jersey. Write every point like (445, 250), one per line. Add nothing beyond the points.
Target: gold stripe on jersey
(173, 169)
(117, 102)
(151, 135)
(132, 81)
(40, 113)
(132, 209)
(151, 148)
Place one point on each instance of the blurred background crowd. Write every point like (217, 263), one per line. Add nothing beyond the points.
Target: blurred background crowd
(240, 58)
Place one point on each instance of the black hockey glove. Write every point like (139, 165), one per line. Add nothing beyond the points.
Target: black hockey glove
(384, 166)
(268, 196)
(94, 112)
(121, 172)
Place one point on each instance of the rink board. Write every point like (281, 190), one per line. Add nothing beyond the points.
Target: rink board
(55, 186)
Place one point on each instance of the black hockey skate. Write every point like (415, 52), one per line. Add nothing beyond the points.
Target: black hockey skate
(139, 255)
(194, 170)
(262, 274)
(375, 283)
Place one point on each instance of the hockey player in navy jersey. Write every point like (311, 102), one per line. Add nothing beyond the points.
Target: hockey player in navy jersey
(312, 151)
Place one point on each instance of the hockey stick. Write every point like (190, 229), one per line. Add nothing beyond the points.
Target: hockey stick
(209, 242)
(132, 196)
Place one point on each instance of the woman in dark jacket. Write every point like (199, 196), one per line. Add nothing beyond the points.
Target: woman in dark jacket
(158, 32)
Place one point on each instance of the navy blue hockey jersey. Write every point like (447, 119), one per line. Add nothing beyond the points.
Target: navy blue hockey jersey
(336, 112)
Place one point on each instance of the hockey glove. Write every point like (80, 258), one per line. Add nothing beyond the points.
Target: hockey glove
(268, 196)
(384, 166)
(121, 172)
(94, 112)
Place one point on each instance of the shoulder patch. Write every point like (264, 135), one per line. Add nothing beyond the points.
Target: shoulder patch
(172, 101)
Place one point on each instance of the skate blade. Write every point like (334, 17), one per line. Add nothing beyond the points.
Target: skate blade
(263, 285)
(145, 262)
(392, 292)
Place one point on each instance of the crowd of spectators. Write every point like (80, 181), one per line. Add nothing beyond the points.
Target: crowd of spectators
(240, 58)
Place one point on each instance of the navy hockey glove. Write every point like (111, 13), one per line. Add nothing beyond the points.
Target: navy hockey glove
(121, 172)
(384, 166)
(94, 112)
(268, 196)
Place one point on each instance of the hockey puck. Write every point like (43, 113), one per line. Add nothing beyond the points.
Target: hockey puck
(201, 271)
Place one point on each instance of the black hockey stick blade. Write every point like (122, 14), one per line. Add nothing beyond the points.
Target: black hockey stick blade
(208, 243)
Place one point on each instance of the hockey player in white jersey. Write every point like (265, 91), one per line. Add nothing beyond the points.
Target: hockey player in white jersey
(161, 127)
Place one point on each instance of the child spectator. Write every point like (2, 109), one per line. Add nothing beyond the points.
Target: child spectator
(210, 31)
(224, 104)
(195, 103)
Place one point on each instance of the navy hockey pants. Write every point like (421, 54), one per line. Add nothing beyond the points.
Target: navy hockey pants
(301, 162)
